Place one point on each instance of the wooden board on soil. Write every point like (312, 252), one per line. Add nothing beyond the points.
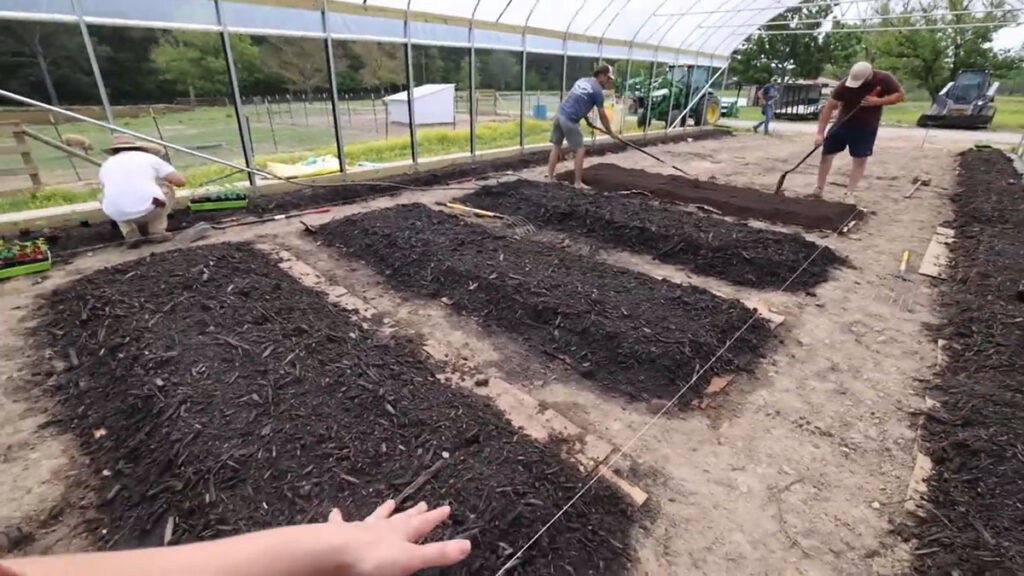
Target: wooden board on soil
(936, 256)
(732, 251)
(232, 397)
(627, 332)
(729, 200)
(589, 451)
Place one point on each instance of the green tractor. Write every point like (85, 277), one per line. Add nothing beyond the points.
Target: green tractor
(675, 90)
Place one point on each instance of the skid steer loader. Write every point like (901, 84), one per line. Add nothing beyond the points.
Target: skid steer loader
(964, 103)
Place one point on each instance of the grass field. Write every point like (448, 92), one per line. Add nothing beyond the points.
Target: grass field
(1009, 113)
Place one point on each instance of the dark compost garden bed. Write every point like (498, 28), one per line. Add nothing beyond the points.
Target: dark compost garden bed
(630, 333)
(738, 201)
(211, 391)
(732, 251)
(76, 237)
(975, 437)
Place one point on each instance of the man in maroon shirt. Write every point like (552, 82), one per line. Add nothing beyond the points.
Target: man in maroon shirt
(856, 128)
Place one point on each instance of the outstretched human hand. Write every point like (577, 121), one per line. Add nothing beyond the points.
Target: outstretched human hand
(384, 543)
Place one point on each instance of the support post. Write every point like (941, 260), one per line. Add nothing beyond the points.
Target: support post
(414, 147)
(93, 62)
(522, 82)
(473, 111)
(339, 142)
(236, 95)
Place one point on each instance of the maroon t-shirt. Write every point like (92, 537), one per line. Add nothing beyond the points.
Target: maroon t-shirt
(867, 116)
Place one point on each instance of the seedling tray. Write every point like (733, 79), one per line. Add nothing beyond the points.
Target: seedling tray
(219, 205)
(12, 269)
(219, 201)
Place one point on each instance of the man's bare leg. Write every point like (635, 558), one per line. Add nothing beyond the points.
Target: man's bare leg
(824, 167)
(556, 154)
(856, 173)
(578, 166)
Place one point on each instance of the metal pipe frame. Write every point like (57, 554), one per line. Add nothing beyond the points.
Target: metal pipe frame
(339, 141)
(874, 18)
(472, 81)
(629, 56)
(650, 88)
(689, 104)
(600, 60)
(30, 102)
(881, 29)
(522, 82)
(758, 9)
(565, 51)
(236, 96)
(413, 144)
(100, 86)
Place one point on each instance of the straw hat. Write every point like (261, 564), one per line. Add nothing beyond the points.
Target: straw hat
(124, 142)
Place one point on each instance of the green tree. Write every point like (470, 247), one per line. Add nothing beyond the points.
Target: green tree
(300, 62)
(196, 60)
(945, 38)
(801, 54)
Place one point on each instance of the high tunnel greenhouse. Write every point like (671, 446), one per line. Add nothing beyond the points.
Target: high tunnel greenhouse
(648, 35)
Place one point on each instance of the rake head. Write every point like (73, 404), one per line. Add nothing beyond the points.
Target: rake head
(520, 226)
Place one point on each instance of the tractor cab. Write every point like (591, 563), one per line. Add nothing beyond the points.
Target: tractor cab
(666, 98)
(966, 102)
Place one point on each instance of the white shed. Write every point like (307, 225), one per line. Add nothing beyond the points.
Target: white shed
(435, 104)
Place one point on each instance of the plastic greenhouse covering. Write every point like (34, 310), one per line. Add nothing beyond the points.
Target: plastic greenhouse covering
(700, 32)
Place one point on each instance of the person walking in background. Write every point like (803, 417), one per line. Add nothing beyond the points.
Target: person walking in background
(138, 188)
(859, 98)
(767, 96)
(586, 94)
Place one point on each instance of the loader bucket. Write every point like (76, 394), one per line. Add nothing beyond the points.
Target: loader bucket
(962, 122)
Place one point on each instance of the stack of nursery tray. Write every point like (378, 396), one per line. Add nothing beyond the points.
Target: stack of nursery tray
(18, 258)
(219, 201)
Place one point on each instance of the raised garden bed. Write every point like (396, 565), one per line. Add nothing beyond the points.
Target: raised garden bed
(732, 251)
(212, 393)
(96, 234)
(738, 201)
(19, 258)
(630, 333)
(974, 521)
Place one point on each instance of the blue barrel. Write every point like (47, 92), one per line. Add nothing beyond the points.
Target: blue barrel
(540, 111)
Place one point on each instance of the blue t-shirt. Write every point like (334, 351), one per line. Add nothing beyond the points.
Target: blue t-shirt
(585, 94)
(769, 92)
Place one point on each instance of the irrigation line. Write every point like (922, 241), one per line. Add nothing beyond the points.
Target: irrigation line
(622, 451)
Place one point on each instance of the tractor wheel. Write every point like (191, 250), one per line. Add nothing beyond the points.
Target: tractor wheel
(672, 117)
(712, 112)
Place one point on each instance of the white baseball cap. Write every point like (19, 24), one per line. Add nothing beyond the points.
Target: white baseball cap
(860, 72)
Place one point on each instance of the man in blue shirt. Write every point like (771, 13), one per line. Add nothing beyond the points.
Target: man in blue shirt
(586, 94)
(767, 94)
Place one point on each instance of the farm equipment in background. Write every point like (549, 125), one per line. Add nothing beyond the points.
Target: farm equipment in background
(677, 88)
(801, 100)
(964, 103)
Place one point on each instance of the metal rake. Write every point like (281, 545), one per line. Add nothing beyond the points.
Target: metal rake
(520, 226)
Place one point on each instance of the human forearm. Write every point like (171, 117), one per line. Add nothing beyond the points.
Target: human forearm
(605, 121)
(826, 115)
(278, 552)
(894, 98)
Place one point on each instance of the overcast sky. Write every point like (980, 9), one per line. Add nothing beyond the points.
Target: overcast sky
(1009, 38)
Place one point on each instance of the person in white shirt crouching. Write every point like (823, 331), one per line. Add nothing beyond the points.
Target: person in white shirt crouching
(138, 188)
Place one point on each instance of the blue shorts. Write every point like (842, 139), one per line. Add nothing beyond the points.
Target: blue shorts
(861, 141)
